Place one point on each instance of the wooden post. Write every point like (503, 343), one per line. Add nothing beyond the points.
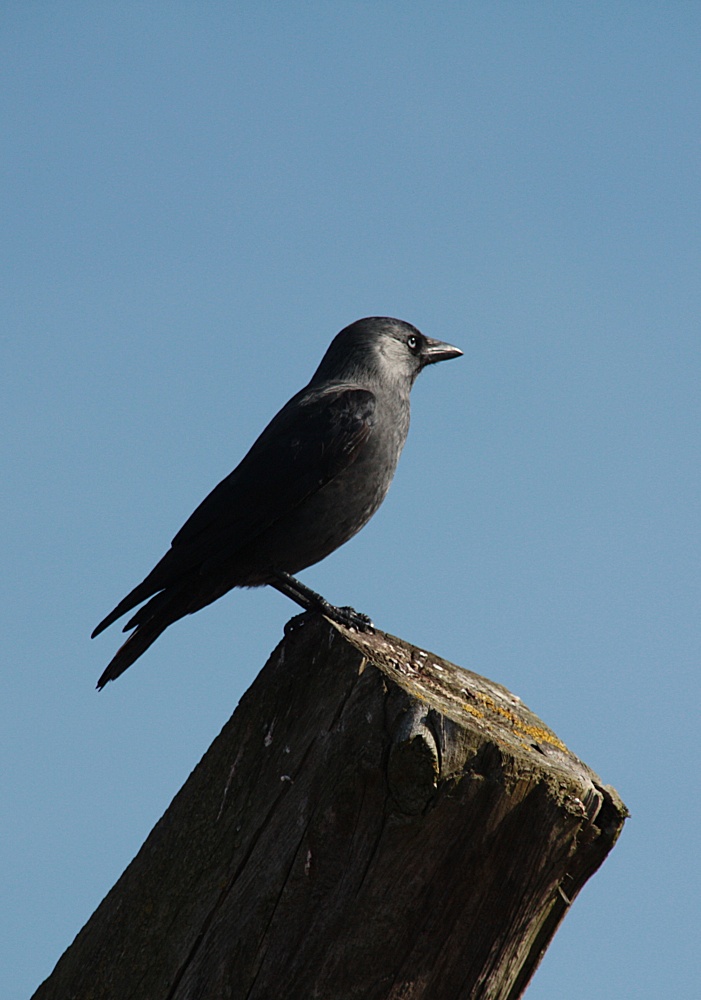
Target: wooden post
(373, 823)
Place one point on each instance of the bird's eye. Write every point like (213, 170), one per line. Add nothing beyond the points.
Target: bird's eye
(412, 342)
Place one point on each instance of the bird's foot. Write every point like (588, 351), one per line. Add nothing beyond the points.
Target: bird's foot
(346, 616)
(314, 603)
(350, 618)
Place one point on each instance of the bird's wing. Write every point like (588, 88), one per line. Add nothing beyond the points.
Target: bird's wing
(315, 436)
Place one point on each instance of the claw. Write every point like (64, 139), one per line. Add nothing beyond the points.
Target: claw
(354, 619)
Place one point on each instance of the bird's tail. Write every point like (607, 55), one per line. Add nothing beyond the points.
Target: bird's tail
(149, 621)
(145, 589)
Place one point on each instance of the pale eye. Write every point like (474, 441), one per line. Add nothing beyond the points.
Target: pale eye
(412, 342)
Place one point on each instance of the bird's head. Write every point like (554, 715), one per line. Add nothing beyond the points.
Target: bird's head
(383, 348)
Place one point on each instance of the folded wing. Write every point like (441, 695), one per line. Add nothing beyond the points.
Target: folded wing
(317, 435)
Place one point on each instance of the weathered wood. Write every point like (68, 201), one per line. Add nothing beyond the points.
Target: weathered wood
(373, 822)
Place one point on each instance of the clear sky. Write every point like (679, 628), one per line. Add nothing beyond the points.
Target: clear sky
(195, 198)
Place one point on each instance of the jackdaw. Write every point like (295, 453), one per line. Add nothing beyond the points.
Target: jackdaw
(314, 477)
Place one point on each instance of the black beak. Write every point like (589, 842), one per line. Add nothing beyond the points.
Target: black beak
(436, 350)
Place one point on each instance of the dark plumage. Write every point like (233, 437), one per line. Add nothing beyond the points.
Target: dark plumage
(314, 477)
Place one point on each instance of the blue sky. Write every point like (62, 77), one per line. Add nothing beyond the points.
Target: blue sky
(195, 198)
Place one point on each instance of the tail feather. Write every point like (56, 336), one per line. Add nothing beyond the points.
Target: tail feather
(130, 651)
(148, 610)
(161, 576)
(148, 623)
(134, 597)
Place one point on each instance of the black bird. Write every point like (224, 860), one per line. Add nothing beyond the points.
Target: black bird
(314, 477)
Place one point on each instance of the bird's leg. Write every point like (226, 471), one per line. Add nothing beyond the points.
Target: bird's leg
(312, 602)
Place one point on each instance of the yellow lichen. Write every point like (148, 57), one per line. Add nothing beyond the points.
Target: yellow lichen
(473, 711)
(538, 733)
